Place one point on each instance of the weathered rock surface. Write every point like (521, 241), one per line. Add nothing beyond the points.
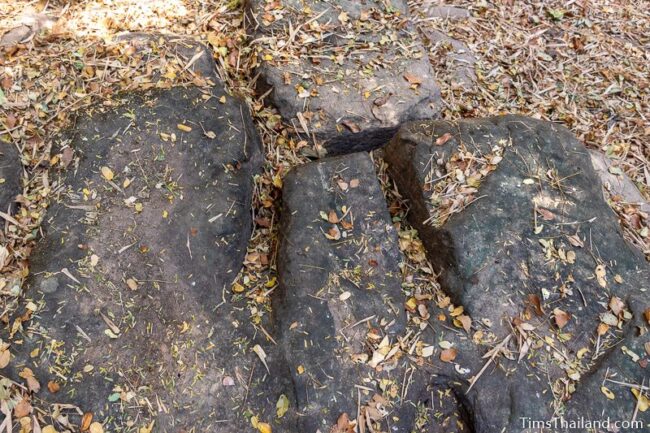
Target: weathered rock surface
(621, 371)
(616, 182)
(197, 57)
(130, 282)
(453, 57)
(10, 172)
(346, 73)
(434, 9)
(341, 308)
(512, 215)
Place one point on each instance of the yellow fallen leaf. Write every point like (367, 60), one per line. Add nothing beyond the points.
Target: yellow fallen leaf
(184, 128)
(282, 406)
(457, 311)
(643, 401)
(264, 427)
(49, 429)
(608, 392)
(147, 429)
(107, 173)
(96, 428)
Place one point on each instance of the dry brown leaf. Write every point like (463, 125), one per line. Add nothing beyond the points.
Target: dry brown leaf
(23, 408)
(443, 139)
(86, 420)
(412, 78)
(561, 318)
(32, 382)
(5, 355)
(616, 305)
(53, 387)
(343, 425)
(536, 302)
(353, 127)
(602, 328)
(575, 241)
(448, 355)
(333, 233)
(546, 214)
(466, 321)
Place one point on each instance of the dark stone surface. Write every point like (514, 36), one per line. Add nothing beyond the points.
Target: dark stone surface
(347, 79)
(536, 185)
(131, 281)
(618, 371)
(10, 172)
(330, 286)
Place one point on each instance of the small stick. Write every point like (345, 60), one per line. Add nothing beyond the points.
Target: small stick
(495, 353)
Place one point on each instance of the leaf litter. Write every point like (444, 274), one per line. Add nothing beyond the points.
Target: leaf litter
(582, 64)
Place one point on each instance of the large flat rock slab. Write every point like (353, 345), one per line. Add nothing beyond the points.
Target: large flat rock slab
(340, 309)
(512, 215)
(10, 173)
(345, 73)
(132, 282)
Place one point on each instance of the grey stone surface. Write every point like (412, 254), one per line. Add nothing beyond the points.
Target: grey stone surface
(616, 182)
(341, 297)
(434, 9)
(10, 173)
(356, 69)
(512, 215)
(140, 252)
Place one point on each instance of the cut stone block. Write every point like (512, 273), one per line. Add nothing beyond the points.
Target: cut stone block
(130, 282)
(341, 308)
(346, 73)
(10, 172)
(512, 215)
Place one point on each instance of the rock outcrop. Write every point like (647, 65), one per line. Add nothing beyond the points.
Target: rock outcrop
(512, 215)
(341, 308)
(345, 73)
(141, 249)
